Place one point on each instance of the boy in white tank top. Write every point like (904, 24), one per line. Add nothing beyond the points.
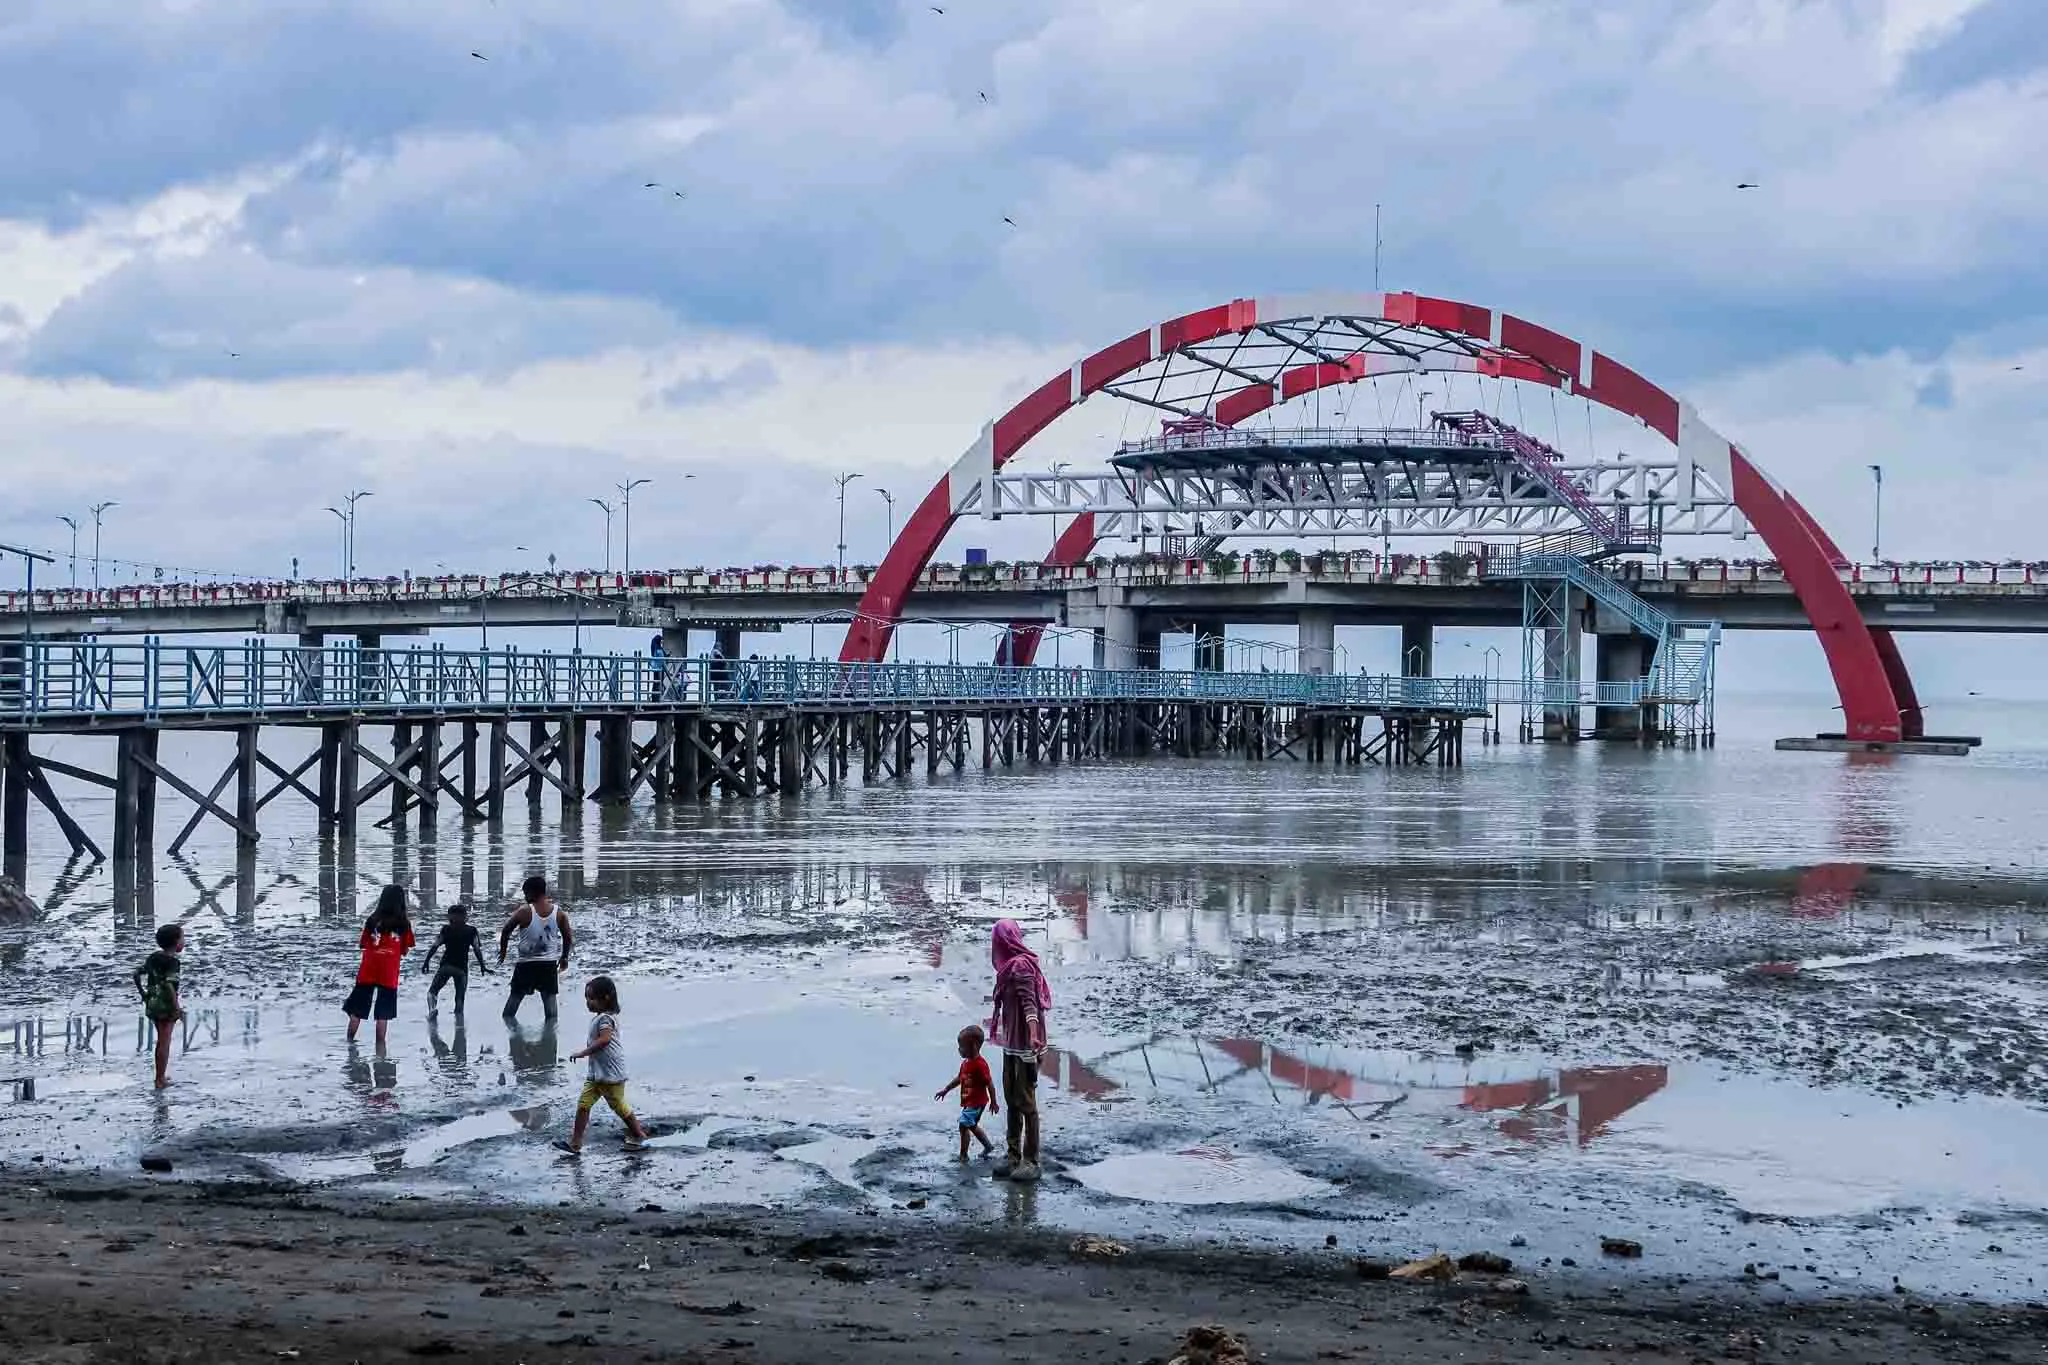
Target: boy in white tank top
(544, 938)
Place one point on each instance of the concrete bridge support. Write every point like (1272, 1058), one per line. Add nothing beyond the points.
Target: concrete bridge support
(1620, 658)
(1148, 648)
(1316, 640)
(1117, 642)
(1418, 649)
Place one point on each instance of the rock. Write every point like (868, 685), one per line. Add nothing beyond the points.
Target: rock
(1518, 1241)
(915, 1204)
(1620, 1246)
(1098, 1248)
(841, 1271)
(1369, 1269)
(1330, 1240)
(15, 906)
(1435, 1267)
(1510, 1286)
(516, 1230)
(1212, 1346)
(1485, 1263)
(160, 1165)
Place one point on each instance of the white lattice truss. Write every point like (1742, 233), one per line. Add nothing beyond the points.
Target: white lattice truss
(1360, 483)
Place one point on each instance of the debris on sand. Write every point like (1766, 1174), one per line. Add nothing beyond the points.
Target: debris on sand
(1620, 1246)
(1099, 1248)
(1510, 1286)
(1369, 1269)
(1212, 1346)
(1485, 1263)
(734, 1309)
(157, 1165)
(1436, 1267)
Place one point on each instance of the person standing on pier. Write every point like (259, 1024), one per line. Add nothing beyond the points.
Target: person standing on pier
(1017, 1026)
(387, 938)
(545, 939)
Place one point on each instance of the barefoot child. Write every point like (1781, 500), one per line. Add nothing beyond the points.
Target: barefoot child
(977, 1090)
(607, 1068)
(457, 943)
(1017, 1026)
(387, 938)
(157, 979)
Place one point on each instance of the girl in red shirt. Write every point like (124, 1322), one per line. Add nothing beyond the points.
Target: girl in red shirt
(387, 938)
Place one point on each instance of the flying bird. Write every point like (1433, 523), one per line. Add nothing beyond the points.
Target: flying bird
(651, 185)
(479, 56)
(2018, 368)
(937, 10)
(1011, 221)
(983, 94)
(1747, 185)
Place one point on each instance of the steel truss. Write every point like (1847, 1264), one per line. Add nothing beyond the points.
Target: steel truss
(1352, 482)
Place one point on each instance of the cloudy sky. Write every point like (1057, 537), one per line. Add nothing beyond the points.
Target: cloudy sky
(254, 254)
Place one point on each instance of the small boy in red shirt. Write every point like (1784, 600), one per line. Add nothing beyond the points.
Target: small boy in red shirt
(977, 1090)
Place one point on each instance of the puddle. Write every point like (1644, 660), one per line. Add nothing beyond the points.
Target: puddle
(1201, 1175)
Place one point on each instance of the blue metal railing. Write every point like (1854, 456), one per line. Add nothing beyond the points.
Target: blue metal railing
(63, 680)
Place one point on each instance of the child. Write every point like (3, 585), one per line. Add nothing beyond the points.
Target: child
(977, 1090)
(458, 941)
(157, 979)
(387, 938)
(607, 1068)
(1017, 1026)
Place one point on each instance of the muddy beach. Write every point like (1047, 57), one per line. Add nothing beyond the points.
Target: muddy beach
(98, 1271)
(1785, 1042)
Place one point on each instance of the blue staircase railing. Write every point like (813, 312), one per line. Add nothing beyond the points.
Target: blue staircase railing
(1681, 667)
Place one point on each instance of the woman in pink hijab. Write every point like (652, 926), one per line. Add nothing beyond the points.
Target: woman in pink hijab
(1017, 1026)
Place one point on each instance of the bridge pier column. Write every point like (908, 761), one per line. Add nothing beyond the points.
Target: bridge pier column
(430, 779)
(1315, 637)
(245, 790)
(1619, 658)
(370, 667)
(1418, 649)
(347, 762)
(728, 642)
(1116, 644)
(1147, 653)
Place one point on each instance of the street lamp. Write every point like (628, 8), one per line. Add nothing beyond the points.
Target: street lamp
(348, 529)
(1422, 423)
(889, 535)
(1877, 515)
(842, 480)
(99, 510)
(607, 532)
(626, 497)
(342, 517)
(72, 522)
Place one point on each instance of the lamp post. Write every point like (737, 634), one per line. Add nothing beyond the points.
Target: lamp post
(99, 510)
(1877, 515)
(889, 524)
(842, 480)
(1421, 398)
(626, 497)
(72, 522)
(607, 508)
(342, 517)
(348, 530)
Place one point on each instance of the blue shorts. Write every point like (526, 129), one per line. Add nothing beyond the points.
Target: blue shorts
(970, 1117)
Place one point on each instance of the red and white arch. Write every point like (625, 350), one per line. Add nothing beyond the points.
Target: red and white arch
(1240, 358)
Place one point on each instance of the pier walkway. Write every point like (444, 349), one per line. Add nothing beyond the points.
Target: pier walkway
(471, 728)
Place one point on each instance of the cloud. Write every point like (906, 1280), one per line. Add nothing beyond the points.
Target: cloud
(233, 312)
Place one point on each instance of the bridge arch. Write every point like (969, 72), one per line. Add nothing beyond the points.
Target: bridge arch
(1239, 358)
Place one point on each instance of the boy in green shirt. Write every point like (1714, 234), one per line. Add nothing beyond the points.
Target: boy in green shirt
(157, 979)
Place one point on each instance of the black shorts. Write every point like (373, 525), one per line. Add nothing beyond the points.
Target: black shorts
(535, 978)
(371, 1002)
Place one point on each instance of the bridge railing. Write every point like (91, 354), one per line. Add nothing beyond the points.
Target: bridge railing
(68, 680)
(1248, 566)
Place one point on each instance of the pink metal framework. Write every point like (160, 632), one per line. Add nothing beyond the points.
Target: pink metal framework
(1237, 359)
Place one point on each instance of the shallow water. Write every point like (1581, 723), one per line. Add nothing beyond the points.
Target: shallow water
(1264, 977)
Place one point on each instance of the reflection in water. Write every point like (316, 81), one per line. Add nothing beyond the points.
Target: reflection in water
(535, 1052)
(1545, 1104)
(374, 1078)
(453, 1056)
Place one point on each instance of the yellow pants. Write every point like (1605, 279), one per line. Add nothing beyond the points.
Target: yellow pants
(612, 1093)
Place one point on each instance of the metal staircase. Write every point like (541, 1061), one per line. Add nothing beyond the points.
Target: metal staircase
(1677, 691)
(1608, 531)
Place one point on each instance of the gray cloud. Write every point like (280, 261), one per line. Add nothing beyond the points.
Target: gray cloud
(233, 313)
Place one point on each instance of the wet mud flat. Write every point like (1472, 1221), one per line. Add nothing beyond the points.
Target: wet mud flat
(95, 1269)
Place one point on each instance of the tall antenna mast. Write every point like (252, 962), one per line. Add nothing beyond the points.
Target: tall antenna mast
(1375, 248)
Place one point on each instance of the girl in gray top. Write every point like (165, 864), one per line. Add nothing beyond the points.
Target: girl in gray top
(607, 1057)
